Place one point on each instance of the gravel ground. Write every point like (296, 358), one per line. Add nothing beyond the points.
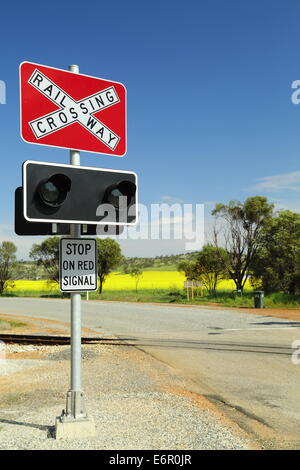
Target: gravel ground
(136, 402)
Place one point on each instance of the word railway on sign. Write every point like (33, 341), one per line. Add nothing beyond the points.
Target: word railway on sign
(71, 110)
(78, 265)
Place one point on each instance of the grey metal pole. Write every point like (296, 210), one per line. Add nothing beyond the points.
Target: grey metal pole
(74, 421)
(75, 232)
(75, 405)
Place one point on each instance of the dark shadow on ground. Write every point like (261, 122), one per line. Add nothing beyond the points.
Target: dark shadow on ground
(177, 343)
(49, 429)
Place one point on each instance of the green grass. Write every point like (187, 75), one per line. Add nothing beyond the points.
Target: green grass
(246, 300)
(144, 295)
(278, 300)
(7, 324)
(33, 293)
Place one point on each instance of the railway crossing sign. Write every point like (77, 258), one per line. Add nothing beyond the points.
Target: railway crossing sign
(64, 109)
(78, 265)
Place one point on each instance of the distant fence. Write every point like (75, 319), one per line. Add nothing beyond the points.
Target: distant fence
(193, 288)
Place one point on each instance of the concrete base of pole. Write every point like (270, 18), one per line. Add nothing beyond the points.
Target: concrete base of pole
(74, 429)
(74, 423)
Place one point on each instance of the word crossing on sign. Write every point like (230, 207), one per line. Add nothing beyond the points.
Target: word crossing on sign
(78, 265)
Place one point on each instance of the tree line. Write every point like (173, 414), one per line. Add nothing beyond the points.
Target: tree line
(249, 241)
(45, 256)
(45, 262)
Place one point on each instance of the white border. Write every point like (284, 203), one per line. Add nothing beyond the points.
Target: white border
(86, 222)
(71, 148)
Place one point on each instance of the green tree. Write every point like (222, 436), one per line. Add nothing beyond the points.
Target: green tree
(210, 266)
(136, 272)
(26, 270)
(189, 268)
(276, 265)
(46, 254)
(7, 264)
(109, 256)
(239, 230)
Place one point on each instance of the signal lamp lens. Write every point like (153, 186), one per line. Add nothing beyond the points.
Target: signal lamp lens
(115, 194)
(54, 191)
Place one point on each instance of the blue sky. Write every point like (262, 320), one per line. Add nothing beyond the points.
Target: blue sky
(210, 116)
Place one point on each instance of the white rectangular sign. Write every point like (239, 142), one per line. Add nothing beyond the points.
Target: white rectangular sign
(78, 265)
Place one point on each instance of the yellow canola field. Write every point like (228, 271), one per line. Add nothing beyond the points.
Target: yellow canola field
(119, 281)
(24, 285)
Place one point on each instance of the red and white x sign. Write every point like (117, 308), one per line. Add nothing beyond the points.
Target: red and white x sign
(64, 109)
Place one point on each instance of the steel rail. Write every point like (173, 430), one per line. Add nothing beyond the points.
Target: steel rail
(44, 339)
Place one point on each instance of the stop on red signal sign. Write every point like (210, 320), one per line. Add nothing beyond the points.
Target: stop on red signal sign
(64, 109)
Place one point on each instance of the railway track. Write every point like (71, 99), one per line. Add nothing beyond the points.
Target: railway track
(45, 339)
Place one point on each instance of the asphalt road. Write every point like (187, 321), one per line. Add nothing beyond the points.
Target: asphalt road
(242, 362)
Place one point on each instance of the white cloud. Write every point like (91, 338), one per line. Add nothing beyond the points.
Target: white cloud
(277, 183)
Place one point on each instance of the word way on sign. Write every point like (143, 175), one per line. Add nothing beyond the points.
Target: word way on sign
(78, 265)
